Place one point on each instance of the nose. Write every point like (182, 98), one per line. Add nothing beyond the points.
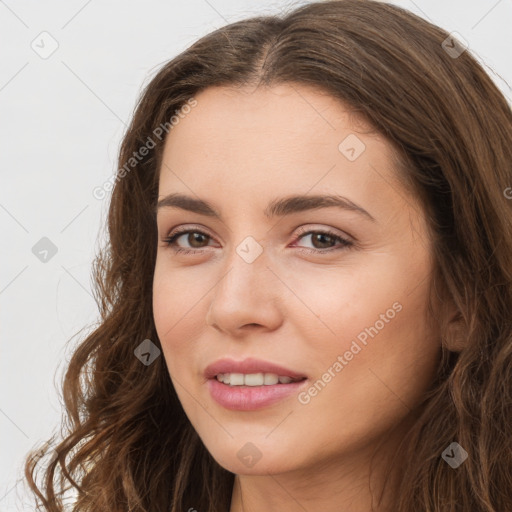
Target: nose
(245, 297)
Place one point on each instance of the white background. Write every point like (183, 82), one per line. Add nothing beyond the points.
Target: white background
(62, 119)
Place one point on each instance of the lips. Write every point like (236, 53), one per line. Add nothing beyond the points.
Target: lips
(255, 395)
(249, 366)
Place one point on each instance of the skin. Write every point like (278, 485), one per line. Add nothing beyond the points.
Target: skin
(239, 149)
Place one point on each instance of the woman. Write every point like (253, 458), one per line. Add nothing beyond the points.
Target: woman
(307, 290)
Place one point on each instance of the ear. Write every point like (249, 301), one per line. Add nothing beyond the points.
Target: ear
(455, 333)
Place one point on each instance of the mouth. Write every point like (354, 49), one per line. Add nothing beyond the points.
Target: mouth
(255, 379)
(251, 384)
(250, 372)
(255, 395)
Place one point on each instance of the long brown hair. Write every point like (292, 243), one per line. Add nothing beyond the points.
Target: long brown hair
(128, 443)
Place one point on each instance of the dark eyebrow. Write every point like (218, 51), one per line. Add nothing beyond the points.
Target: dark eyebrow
(276, 208)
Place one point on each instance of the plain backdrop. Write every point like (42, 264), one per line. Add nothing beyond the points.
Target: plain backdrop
(70, 76)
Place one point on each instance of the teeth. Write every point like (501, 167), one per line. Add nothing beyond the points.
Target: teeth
(270, 379)
(253, 379)
(236, 379)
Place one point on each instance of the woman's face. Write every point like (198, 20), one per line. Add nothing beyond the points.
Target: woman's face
(269, 280)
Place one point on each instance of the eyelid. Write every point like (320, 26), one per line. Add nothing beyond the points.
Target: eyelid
(301, 230)
(186, 228)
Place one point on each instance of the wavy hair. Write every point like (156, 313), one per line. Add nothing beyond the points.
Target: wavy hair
(128, 445)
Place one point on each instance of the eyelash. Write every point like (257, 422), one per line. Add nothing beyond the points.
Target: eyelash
(169, 241)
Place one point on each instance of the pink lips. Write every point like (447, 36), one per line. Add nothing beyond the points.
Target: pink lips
(250, 365)
(248, 398)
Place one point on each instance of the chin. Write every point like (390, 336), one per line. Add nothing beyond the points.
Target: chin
(249, 460)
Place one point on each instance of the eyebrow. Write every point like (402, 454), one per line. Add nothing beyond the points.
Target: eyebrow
(276, 208)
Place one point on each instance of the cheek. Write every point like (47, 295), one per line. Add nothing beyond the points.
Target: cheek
(176, 306)
(375, 318)
(334, 305)
(384, 354)
(177, 295)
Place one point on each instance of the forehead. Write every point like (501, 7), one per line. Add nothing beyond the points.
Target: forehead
(280, 117)
(275, 140)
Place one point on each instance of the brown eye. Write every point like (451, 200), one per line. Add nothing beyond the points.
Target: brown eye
(321, 239)
(324, 240)
(194, 238)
